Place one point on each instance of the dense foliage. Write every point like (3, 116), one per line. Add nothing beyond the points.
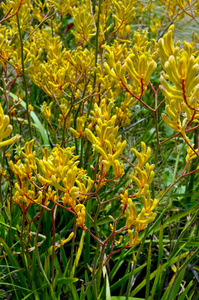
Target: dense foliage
(99, 149)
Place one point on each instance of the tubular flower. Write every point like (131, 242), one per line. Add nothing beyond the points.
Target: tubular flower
(140, 76)
(149, 204)
(83, 23)
(142, 157)
(190, 153)
(70, 196)
(133, 238)
(105, 141)
(23, 10)
(57, 170)
(166, 47)
(6, 129)
(124, 12)
(61, 67)
(172, 7)
(143, 178)
(65, 118)
(46, 111)
(6, 49)
(80, 211)
(156, 24)
(80, 123)
(63, 242)
(124, 198)
(131, 214)
(135, 70)
(104, 16)
(123, 113)
(26, 194)
(29, 154)
(145, 217)
(63, 6)
(120, 240)
(181, 97)
(84, 187)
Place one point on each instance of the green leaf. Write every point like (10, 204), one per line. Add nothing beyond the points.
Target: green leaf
(165, 296)
(157, 271)
(74, 291)
(108, 292)
(78, 254)
(123, 298)
(160, 252)
(87, 236)
(42, 287)
(185, 292)
(125, 278)
(115, 268)
(155, 284)
(38, 124)
(148, 271)
(89, 294)
(15, 263)
(181, 270)
(14, 285)
(66, 280)
(177, 286)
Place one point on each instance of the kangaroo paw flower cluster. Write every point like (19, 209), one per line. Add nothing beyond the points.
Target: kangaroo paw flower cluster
(179, 84)
(106, 142)
(59, 169)
(6, 129)
(142, 178)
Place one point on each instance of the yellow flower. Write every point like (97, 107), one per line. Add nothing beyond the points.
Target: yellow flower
(80, 211)
(31, 108)
(6, 129)
(63, 242)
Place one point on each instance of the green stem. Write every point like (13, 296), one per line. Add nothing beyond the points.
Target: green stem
(11, 277)
(81, 151)
(53, 212)
(148, 271)
(157, 137)
(22, 240)
(93, 6)
(98, 277)
(24, 79)
(2, 166)
(95, 270)
(98, 272)
(72, 247)
(96, 54)
(190, 183)
(38, 257)
(185, 264)
(149, 34)
(135, 261)
(75, 125)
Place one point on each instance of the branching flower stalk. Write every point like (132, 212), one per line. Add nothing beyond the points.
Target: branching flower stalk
(24, 78)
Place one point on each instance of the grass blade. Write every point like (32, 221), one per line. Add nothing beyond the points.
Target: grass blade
(185, 292)
(38, 124)
(148, 272)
